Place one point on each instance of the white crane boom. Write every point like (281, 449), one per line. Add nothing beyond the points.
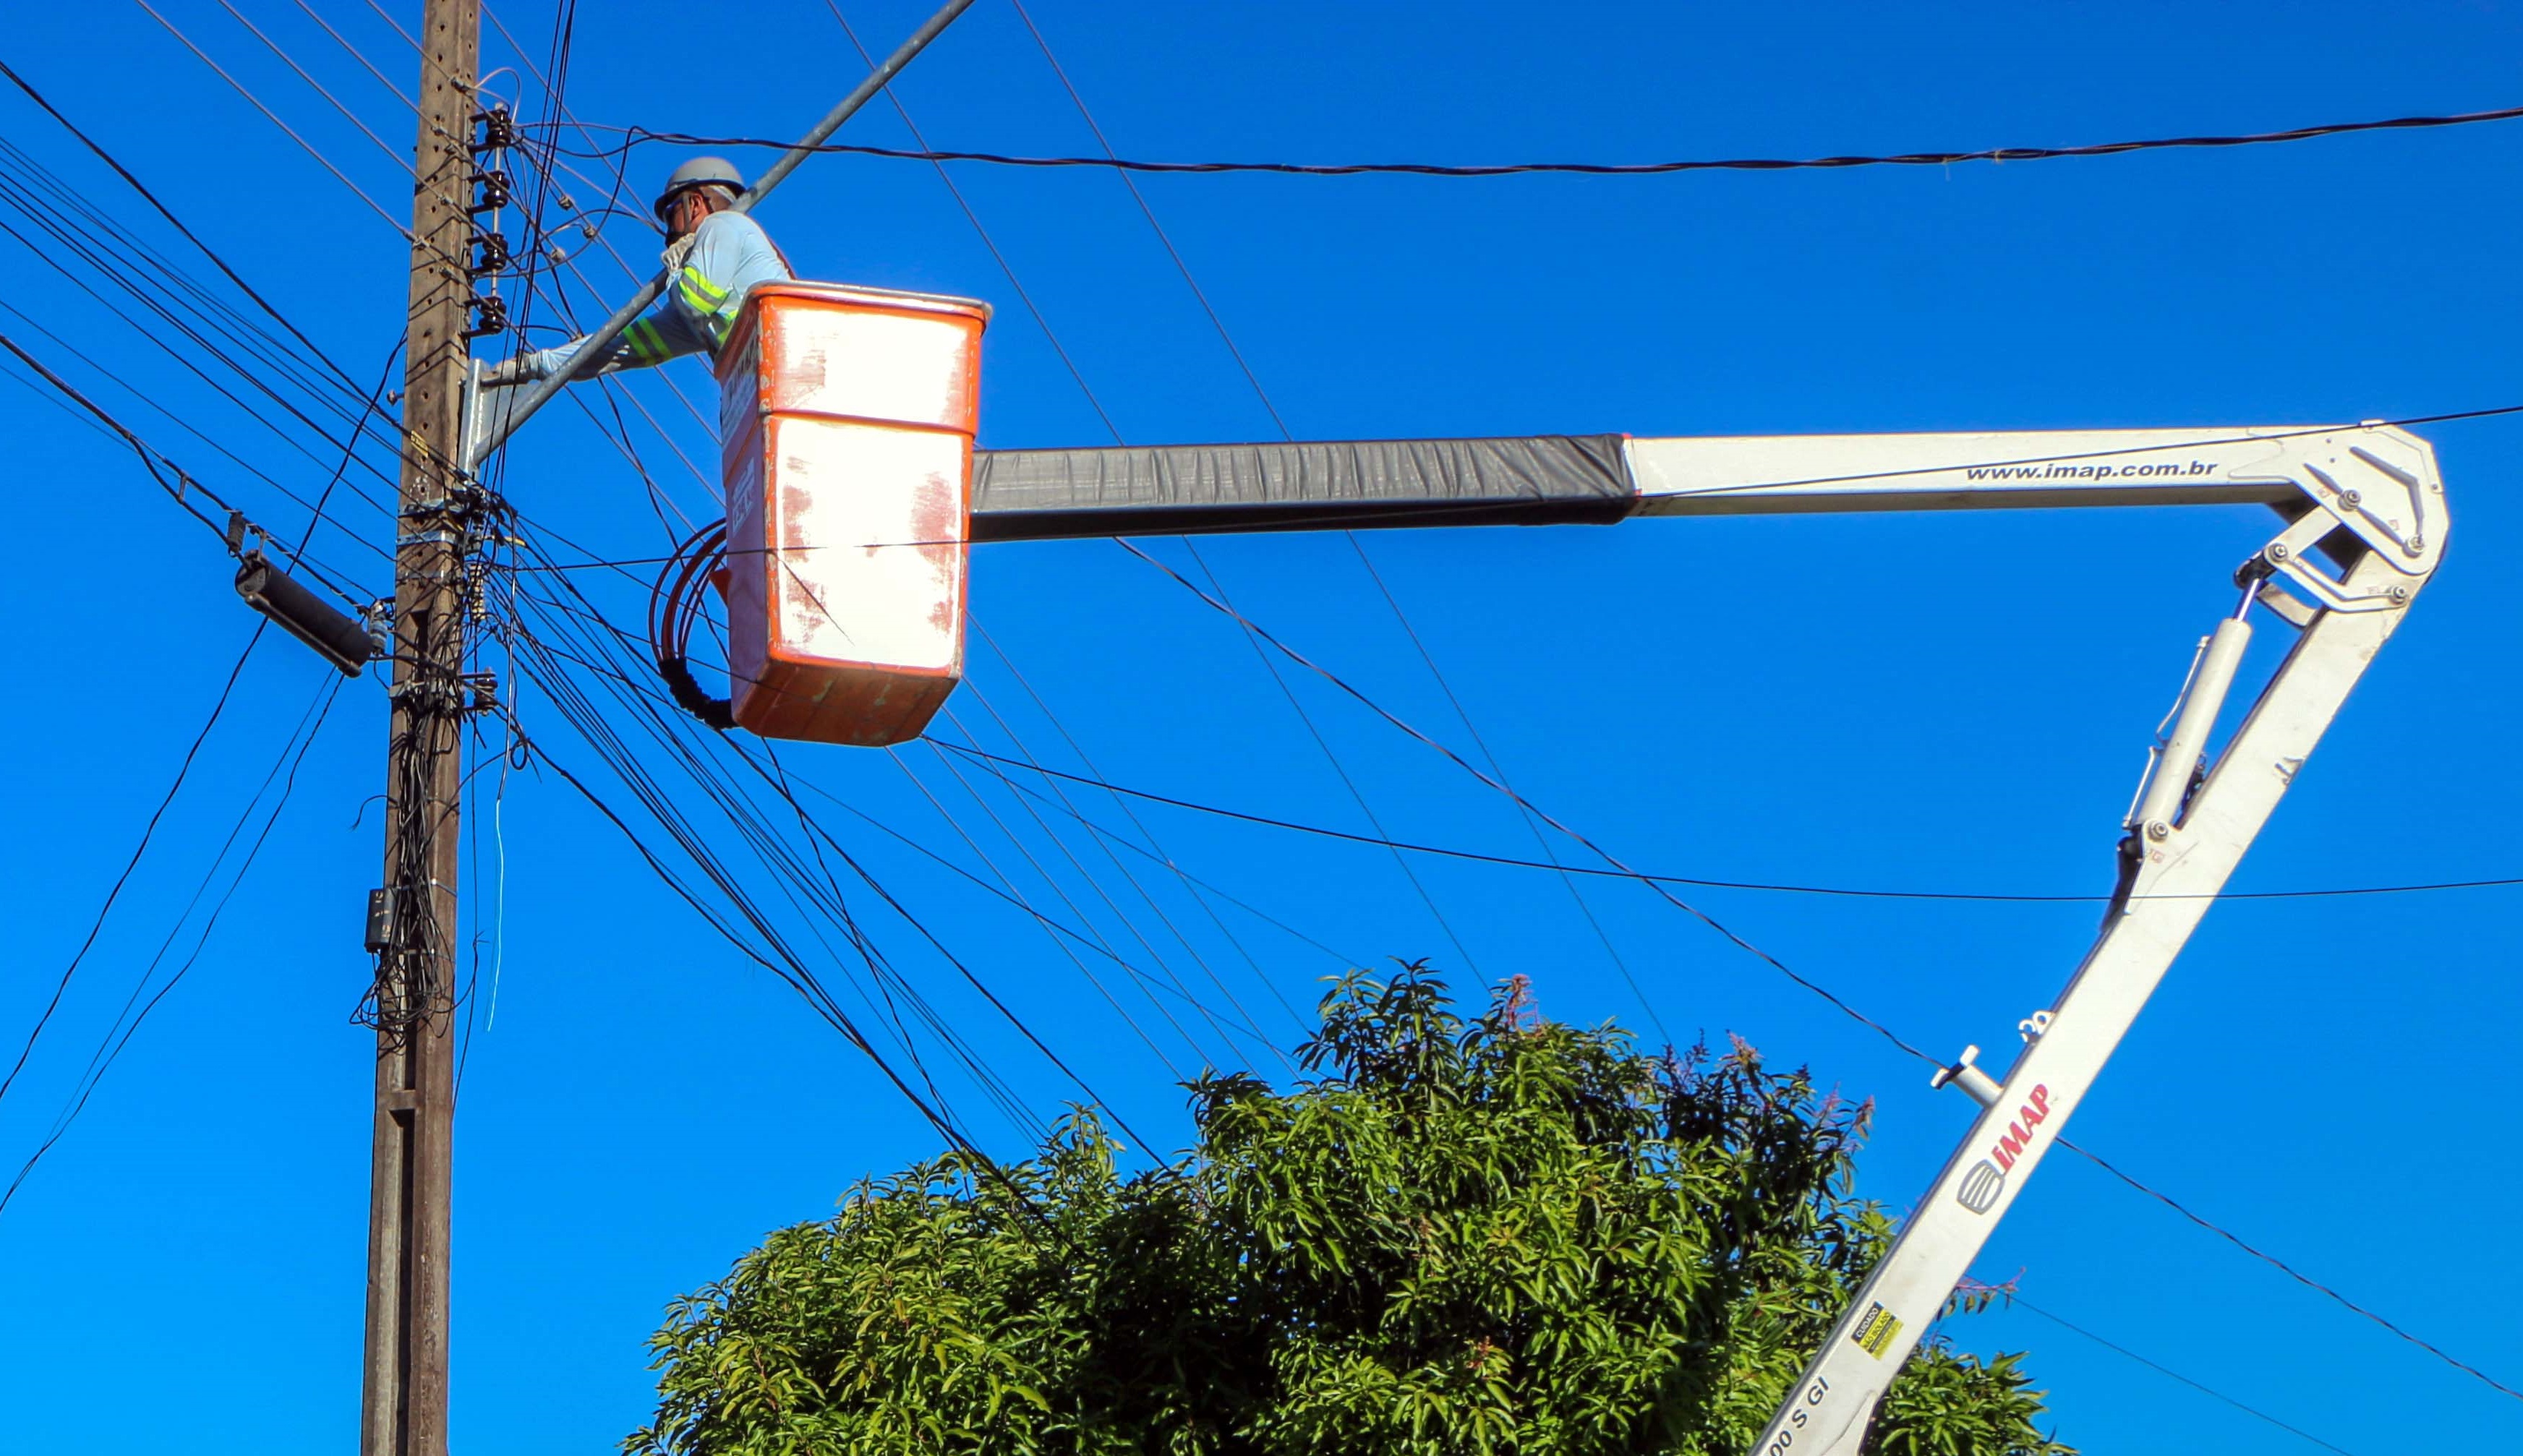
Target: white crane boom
(2369, 500)
(2365, 525)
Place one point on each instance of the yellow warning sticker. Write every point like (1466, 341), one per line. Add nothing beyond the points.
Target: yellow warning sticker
(1875, 1333)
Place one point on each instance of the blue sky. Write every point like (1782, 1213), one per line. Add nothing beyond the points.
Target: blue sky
(1930, 703)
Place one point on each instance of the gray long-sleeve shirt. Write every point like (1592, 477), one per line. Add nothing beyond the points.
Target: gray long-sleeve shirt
(729, 253)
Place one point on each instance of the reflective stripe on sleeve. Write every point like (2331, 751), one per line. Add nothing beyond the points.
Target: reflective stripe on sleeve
(704, 296)
(646, 346)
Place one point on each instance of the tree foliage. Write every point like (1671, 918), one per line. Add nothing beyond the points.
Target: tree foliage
(1459, 1235)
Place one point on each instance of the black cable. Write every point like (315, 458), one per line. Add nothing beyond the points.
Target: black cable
(180, 490)
(1154, 850)
(315, 517)
(258, 380)
(86, 230)
(2274, 1262)
(1773, 962)
(1008, 1013)
(788, 966)
(1513, 863)
(108, 1052)
(1302, 1027)
(636, 136)
(375, 397)
(1165, 976)
(2018, 1301)
(1816, 988)
(1056, 925)
(176, 222)
(626, 682)
(147, 832)
(640, 695)
(1149, 852)
(184, 486)
(1219, 323)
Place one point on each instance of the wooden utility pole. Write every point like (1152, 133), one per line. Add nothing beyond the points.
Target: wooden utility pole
(413, 924)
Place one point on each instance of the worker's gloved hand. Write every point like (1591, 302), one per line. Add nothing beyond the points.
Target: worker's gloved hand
(507, 372)
(677, 251)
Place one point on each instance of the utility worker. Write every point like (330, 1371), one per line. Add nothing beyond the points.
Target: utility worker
(712, 256)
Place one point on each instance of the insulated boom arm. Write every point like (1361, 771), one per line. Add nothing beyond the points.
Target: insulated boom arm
(1606, 479)
(2364, 526)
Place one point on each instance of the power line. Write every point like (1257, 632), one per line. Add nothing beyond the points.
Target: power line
(1092, 828)
(635, 136)
(190, 311)
(788, 966)
(117, 251)
(1052, 337)
(1844, 1007)
(1242, 1018)
(1155, 849)
(2018, 1301)
(640, 696)
(397, 158)
(184, 486)
(1263, 635)
(1852, 892)
(148, 832)
(647, 700)
(127, 1022)
(779, 957)
(317, 515)
(1153, 852)
(992, 997)
(309, 148)
(1007, 890)
(2274, 1262)
(125, 174)
(1254, 381)
(358, 55)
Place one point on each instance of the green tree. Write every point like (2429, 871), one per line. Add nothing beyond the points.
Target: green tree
(1493, 1234)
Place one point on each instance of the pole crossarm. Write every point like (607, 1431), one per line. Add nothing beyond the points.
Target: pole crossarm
(1549, 480)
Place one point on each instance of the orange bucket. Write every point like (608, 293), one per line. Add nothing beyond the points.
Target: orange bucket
(847, 417)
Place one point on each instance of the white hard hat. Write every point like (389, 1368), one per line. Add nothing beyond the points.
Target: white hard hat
(700, 171)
